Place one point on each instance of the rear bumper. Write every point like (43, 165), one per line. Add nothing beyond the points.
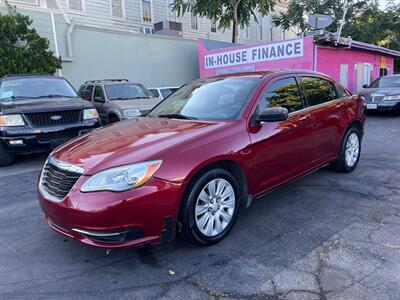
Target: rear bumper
(29, 140)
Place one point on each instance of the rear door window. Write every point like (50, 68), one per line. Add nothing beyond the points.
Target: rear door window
(282, 93)
(318, 90)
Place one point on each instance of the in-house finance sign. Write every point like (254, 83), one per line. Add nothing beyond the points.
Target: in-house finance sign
(261, 53)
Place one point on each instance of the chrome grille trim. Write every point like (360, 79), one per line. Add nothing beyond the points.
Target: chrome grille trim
(58, 178)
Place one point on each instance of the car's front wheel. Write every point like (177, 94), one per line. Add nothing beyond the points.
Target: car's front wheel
(210, 208)
(350, 151)
(6, 158)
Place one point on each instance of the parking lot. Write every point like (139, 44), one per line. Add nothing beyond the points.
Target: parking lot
(325, 236)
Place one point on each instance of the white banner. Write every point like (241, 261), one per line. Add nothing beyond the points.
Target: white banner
(262, 53)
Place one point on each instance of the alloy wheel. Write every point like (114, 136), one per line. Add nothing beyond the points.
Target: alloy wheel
(215, 207)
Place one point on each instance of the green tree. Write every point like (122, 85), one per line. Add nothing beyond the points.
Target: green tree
(227, 12)
(22, 49)
(366, 21)
(299, 10)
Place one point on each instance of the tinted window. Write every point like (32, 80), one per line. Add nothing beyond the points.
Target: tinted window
(20, 88)
(282, 93)
(166, 92)
(155, 93)
(318, 90)
(209, 99)
(389, 81)
(98, 94)
(127, 91)
(341, 91)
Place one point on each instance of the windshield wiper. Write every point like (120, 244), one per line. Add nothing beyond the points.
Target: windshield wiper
(14, 98)
(53, 96)
(176, 116)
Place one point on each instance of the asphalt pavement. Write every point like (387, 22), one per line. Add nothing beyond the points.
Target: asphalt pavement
(326, 236)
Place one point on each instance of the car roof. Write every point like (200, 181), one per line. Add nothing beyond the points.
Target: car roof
(110, 82)
(15, 76)
(262, 74)
(163, 87)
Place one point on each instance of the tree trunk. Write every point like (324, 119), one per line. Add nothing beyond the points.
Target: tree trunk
(235, 4)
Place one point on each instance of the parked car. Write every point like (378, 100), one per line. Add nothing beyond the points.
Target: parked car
(198, 157)
(118, 99)
(38, 113)
(163, 92)
(383, 94)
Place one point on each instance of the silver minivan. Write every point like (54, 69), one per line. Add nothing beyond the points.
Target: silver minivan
(118, 99)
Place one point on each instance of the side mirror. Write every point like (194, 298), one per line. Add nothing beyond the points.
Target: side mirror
(365, 86)
(87, 95)
(273, 114)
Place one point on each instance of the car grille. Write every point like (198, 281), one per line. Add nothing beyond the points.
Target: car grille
(373, 99)
(57, 178)
(145, 112)
(54, 118)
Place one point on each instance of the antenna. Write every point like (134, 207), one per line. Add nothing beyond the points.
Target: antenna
(319, 21)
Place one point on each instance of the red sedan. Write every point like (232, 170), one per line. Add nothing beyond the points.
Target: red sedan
(198, 157)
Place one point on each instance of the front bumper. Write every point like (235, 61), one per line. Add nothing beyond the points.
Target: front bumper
(29, 139)
(108, 219)
(383, 106)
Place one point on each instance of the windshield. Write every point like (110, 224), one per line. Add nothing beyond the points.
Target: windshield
(23, 88)
(389, 81)
(127, 91)
(208, 99)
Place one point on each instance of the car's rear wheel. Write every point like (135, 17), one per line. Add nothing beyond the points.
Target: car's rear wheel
(6, 158)
(210, 207)
(350, 151)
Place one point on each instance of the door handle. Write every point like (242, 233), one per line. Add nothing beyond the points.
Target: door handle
(304, 117)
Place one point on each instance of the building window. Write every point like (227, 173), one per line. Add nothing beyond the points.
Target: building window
(146, 11)
(260, 26)
(244, 32)
(76, 5)
(213, 25)
(147, 30)
(194, 22)
(118, 8)
(172, 15)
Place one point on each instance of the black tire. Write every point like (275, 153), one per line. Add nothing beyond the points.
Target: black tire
(113, 119)
(6, 158)
(189, 229)
(340, 164)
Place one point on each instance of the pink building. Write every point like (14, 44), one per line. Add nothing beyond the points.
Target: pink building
(351, 62)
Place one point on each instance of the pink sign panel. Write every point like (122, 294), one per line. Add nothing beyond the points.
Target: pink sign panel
(292, 54)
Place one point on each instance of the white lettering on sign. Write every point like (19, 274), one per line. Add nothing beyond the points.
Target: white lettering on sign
(267, 52)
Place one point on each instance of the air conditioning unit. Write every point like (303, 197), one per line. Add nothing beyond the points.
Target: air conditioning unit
(168, 28)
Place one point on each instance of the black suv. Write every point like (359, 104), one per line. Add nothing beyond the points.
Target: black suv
(39, 113)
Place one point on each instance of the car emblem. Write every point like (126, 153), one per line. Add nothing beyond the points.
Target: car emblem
(56, 117)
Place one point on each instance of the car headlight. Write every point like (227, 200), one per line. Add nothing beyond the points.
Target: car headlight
(11, 120)
(123, 178)
(391, 98)
(90, 113)
(131, 112)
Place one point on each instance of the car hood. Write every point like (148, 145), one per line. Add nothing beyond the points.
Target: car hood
(43, 105)
(380, 91)
(131, 141)
(141, 104)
